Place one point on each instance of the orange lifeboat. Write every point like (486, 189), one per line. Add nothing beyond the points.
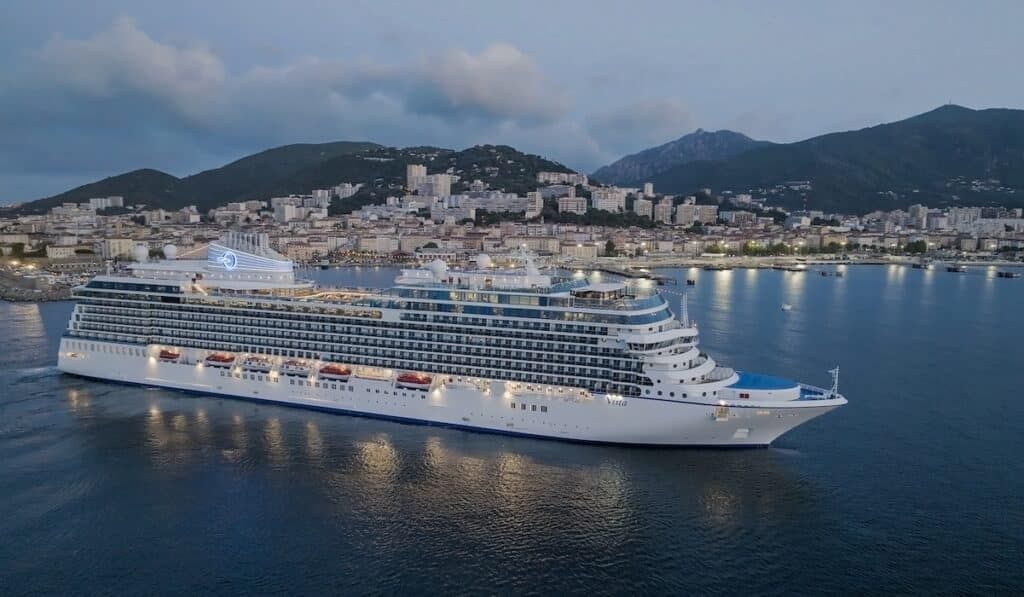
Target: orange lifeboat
(220, 359)
(169, 355)
(414, 381)
(336, 372)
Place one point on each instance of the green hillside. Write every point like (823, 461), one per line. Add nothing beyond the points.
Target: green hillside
(932, 158)
(301, 168)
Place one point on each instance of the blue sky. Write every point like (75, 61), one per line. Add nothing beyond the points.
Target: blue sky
(92, 89)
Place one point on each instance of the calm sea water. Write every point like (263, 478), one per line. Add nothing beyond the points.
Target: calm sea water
(915, 486)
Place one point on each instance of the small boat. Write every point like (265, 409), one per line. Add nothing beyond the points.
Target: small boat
(220, 359)
(169, 356)
(1008, 274)
(257, 364)
(295, 369)
(839, 274)
(787, 307)
(414, 381)
(717, 268)
(691, 282)
(335, 372)
(956, 268)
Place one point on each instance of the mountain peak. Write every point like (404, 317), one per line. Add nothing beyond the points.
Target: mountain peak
(929, 158)
(698, 145)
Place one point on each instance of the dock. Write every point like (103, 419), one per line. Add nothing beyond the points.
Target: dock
(637, 274)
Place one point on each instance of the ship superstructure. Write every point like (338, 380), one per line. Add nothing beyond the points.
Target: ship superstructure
(508, 350)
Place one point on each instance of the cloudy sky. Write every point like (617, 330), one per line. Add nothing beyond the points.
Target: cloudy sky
(91, 89)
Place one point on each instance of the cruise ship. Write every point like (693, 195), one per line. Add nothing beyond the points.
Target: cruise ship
(506, 350)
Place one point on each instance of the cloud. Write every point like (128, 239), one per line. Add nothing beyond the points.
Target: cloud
(120, 100)
(640, 124)
(124, 60)
(500, 83)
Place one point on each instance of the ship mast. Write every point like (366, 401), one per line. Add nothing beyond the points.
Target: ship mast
(835, 380)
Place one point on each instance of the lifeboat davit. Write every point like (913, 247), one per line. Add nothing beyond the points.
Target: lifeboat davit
(220, 359)
(257, 364)
(336, 372)
(169, 355)
(414, 381)
(295, 369)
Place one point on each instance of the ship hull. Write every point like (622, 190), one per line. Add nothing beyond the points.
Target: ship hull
(487, 406)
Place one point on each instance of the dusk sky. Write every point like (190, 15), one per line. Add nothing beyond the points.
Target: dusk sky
(93, 89)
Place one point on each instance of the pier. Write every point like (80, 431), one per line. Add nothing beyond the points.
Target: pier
(636, 274)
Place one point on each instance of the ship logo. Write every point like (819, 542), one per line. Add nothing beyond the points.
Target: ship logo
(228, 259)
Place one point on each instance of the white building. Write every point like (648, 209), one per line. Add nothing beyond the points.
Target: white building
(571, 178)
(60, 251)
(112, 248)
(686, 214)
(648, 189)
(98, 203)
(573, 205)
(558, 190)
(322, 197)
(579, 250)
(414, 175)
(534, 205)
(285, 212)
(346, 190)
(663, 211)
(643, 207)
(611, 199)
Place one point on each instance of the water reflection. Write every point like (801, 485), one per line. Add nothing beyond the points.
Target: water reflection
(79, 402)
(793, 286)
(722, 298)
(273, 435)
(314, 442)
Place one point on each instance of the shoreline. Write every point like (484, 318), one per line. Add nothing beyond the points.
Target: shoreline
(629, 267)
(641, 264)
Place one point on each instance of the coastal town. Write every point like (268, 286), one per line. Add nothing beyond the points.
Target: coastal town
(568, 220)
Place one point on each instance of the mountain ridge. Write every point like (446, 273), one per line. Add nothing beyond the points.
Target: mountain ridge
(638, 167)
(931, 158)
(299, 168)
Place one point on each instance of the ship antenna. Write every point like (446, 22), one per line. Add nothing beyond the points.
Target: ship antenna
(835, 380)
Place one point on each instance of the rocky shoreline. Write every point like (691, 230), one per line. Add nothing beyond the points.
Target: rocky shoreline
(31, 295)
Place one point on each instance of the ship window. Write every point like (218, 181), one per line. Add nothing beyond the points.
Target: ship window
(523, 406)
(543, 409)
(513, 405)
(533, 407)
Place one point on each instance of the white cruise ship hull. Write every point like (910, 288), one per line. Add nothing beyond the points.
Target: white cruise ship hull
(481, 405)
